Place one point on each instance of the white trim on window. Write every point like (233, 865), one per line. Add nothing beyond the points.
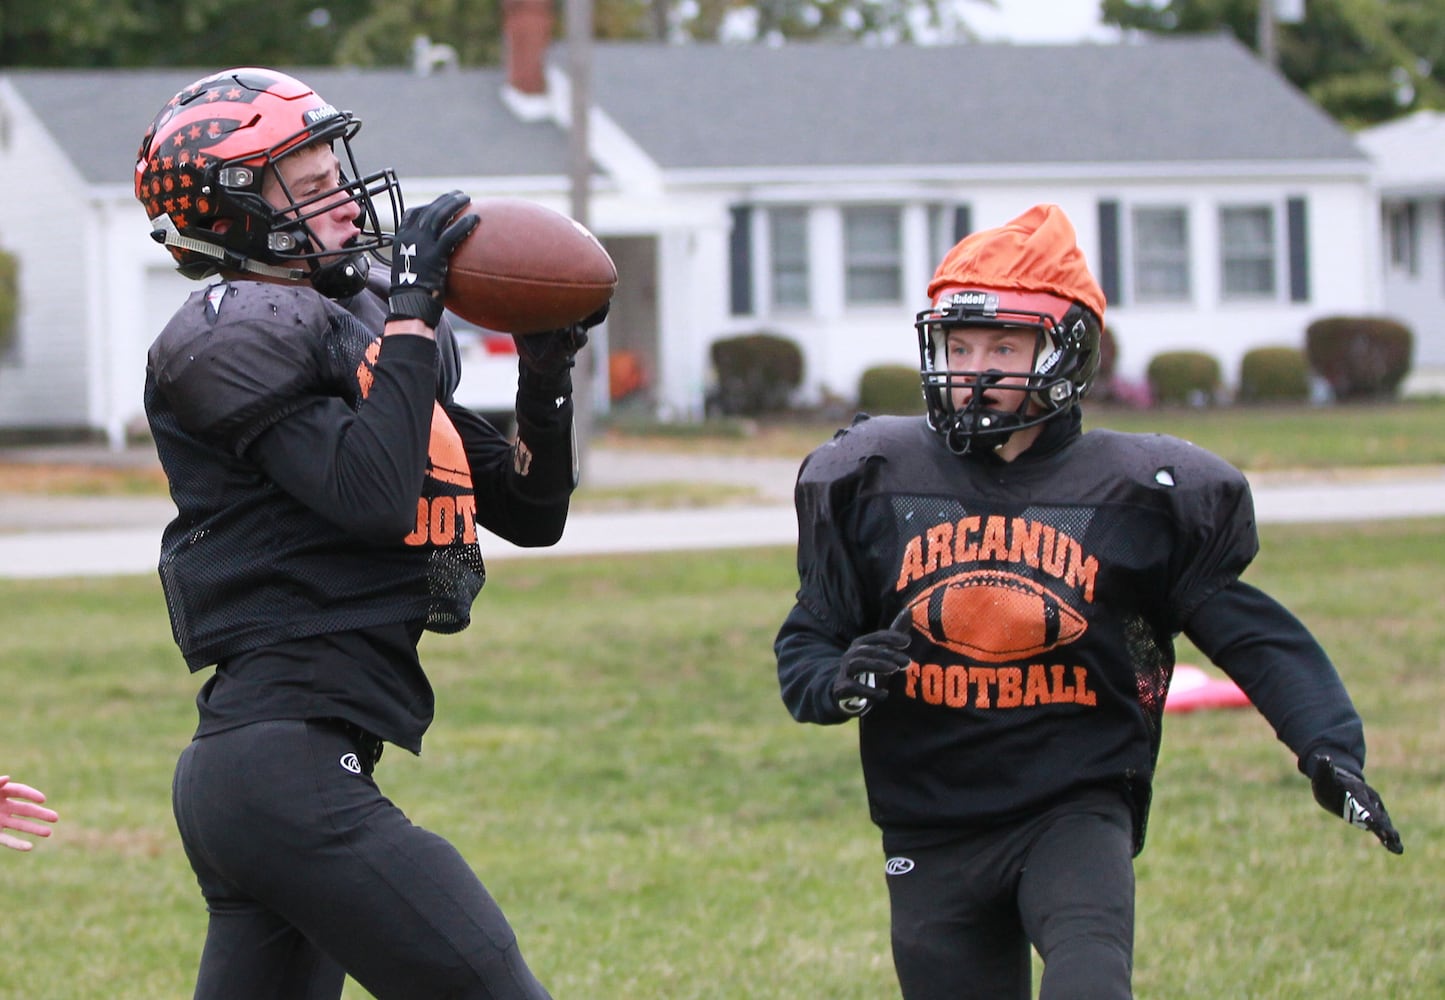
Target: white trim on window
(1159, 253)
(1248, 252)
(872, 254)
(789, 252)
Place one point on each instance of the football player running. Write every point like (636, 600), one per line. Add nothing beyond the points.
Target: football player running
(994, 595)
(328, 493)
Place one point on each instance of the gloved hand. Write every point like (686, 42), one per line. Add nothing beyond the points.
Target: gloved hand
(1345, 794)
(871, 657)
(419, 255)
(552, 352)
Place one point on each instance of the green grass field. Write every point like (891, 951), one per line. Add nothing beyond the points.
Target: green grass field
(612, 756)
(1254, 438)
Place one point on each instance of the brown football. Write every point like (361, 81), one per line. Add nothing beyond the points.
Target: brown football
(526, 268)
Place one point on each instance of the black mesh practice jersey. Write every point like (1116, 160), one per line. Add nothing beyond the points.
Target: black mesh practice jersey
(1042, 597)
(326, 485)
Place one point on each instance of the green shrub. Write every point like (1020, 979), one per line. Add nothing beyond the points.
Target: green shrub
(756, 373)
(1191, 377)
(1361, 357)
(890, 389)
(9, 298)
(1274, 374)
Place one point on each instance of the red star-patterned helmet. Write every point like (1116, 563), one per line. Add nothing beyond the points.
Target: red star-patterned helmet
(204, 160)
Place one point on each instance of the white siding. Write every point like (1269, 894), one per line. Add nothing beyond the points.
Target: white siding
(1418, 300)
(46, 222)
(839, 344)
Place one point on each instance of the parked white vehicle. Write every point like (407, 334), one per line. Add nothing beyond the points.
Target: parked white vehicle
(489, 372)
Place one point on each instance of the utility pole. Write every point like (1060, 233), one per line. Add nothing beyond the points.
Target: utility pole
(579, 70)
(1272, 13)
(1266, 32)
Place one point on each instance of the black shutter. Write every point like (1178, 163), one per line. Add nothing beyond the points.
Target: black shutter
(962, 221)
(740, 260)
(1299, 250)
(1109, 253)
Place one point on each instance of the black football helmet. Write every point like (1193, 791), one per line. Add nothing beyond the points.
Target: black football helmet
(206, 156)
(1065, 360)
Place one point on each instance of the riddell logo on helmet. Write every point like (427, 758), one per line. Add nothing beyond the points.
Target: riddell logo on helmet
(319, 114)
(975, 301)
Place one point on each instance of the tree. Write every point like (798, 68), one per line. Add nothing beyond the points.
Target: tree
(202, 33)
(206, 33)
(384, 36)
(1363, 61)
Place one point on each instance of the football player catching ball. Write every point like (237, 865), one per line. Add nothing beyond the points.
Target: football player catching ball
(994, 595)
(329, 491)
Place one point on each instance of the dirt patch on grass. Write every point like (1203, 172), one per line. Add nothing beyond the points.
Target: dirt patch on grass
(81, 480)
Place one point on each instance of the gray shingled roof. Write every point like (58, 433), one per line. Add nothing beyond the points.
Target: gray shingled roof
(448, 124)
(709, 107)
(1167, 100)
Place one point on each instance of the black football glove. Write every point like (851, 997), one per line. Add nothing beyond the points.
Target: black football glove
(1345, 794)
(419, 255)
(552, 352)
(871, 657)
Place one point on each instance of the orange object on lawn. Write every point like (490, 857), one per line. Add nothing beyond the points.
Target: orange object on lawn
(627, 373)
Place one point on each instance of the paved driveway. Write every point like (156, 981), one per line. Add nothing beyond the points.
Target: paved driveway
(43, 536)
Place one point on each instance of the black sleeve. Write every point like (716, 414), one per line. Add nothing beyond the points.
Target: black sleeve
(362, 469)
(1275, 660)
(808, 654)
(830, 611)
(524, 488)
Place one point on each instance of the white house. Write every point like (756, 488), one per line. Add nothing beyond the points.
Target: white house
(1410, 178)
(803, 189)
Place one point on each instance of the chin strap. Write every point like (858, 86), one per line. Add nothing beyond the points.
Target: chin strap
(167, 236)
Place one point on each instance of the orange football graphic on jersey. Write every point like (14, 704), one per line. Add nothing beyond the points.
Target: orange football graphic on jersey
(992, 616)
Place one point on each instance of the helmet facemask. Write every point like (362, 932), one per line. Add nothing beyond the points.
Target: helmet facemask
(290, 241)
(1060, 370)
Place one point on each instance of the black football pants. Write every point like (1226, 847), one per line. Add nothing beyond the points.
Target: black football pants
(310, 874)
(965, 914)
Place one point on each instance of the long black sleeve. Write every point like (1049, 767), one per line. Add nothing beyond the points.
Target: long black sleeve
(361, 469)
(1278, 663)
(524, 488)
(808, 655)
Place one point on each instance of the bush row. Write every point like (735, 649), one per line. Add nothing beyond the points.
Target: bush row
(1359, 357)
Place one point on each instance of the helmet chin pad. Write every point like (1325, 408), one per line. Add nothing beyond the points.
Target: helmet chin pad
(978, 426)
(981, 429)
(343, 277)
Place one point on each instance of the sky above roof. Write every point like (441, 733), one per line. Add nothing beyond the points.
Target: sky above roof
(1035, 21)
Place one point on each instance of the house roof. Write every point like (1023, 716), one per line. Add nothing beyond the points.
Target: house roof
(1190, 99)
(1195, 99)
(1407, 151)
(451, 124)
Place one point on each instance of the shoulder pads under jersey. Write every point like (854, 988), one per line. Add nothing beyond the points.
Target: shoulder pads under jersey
(241, 355)
(1160, 460)
(894, 439)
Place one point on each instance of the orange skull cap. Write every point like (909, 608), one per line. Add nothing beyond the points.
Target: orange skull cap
(1036, 252)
